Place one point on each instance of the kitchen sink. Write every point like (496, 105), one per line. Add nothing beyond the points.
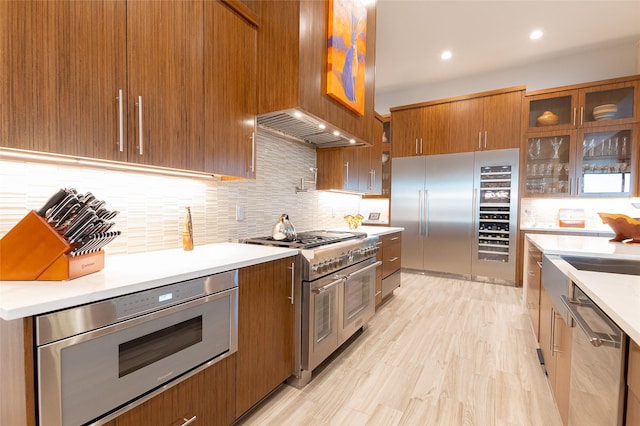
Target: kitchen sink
(615, 266)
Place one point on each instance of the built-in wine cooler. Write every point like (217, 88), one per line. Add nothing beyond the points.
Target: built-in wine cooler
(496, 211)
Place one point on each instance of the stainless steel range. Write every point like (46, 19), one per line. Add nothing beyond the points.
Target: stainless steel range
(337, 289)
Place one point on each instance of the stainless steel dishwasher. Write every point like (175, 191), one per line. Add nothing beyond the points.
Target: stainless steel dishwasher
(596, 389)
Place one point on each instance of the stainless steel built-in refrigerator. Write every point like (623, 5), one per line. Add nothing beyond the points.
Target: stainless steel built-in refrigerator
(459, 212)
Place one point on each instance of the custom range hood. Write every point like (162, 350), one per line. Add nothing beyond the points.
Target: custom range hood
(300, 127)
(291, 76)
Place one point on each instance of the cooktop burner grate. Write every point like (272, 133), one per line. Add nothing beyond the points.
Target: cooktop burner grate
(309, 239)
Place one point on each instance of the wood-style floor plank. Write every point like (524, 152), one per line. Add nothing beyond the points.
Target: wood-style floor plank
(442, 351)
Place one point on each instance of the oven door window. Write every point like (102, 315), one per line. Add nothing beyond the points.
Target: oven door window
(138, 353)
(324, 318)
(357, 296)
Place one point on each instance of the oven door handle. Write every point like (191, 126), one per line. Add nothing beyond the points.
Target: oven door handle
(338, 279)
(363, 270)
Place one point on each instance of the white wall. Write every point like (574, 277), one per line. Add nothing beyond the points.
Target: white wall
(597, 64)
(152, 206)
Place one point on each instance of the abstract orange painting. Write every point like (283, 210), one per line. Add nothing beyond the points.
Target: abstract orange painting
(346, 45)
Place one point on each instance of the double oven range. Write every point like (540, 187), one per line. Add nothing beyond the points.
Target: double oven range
(336, 293)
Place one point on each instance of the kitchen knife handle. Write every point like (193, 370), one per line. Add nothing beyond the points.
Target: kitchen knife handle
(52, 202)
(293, 280)
(120, 122)
(140, 132)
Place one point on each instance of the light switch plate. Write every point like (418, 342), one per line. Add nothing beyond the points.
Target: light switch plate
(239, 212)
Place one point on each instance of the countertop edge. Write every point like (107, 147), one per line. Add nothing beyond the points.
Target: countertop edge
(20, 299)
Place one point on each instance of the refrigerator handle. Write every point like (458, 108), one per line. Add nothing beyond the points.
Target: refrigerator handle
(420, 212)
(476, 232)
(426, 213)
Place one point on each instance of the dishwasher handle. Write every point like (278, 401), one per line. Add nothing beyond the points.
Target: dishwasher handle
(596, 339)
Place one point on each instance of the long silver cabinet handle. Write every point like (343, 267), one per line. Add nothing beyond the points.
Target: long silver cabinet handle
(485, 139)
(476, 214)
(574, 117)
(120, 122)
(479, 140)
(393, 259)
(581, 115)
(593, 337)
(293, 277)
(189, 421)
(338, 279)
(417, 146)
(253, 151)
(420, 145)
(347, 167)
(394, 238)
(363, 270)
(140, 132)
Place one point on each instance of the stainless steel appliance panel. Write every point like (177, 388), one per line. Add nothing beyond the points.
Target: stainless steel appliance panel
(358, 300)
(84, 376)
(597, 385)
(495, 205)
(407, 207)
(448, 207)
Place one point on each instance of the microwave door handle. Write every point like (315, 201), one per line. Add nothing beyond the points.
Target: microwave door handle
(593, 337)
(338, 279)
(363, 270)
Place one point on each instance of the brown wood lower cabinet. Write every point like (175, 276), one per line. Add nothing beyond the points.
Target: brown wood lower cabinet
(388, 274)
(265, 331)
(533, 281)
(555, 342)
(633, 385)
(208, 396)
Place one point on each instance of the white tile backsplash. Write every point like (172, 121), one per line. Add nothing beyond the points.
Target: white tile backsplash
(152, 206)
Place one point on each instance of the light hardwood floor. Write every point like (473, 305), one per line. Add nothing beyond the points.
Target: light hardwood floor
(440, 352)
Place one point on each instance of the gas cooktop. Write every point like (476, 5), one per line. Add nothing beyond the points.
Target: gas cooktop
(309, 239)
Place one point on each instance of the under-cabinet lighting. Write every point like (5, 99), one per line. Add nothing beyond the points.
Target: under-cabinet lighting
(104, 164)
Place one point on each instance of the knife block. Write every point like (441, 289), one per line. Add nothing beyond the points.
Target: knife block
(33, 250)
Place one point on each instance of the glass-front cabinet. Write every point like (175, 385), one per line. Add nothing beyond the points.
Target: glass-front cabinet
(592, 162)
(587, 106)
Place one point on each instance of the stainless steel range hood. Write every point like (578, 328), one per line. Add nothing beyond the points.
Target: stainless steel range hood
(296, 125)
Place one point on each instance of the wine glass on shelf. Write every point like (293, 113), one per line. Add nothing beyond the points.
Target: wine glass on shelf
(555, 143)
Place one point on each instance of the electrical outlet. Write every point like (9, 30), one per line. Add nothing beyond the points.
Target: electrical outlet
(239, 212)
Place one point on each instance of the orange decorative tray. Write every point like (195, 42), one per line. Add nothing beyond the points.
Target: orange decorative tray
(627, 228)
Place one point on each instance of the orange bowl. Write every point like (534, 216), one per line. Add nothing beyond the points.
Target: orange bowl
(627, 228)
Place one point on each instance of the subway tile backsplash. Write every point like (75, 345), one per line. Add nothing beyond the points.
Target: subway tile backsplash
(152, 206)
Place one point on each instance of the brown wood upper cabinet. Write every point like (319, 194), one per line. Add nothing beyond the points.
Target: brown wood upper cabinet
(230, 92)
(573, 106)
(131, 81)
(487, 122)
(423, 130)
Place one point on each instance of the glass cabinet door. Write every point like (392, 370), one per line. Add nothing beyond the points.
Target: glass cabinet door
(548, 164)
(552, 111)
(608, 104)
(606, 161)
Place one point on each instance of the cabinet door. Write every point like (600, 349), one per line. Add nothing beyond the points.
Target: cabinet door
(435, 130)
(502, 120)
(607, 161)
(562, 106)
(534, 274)
(465, 125)
(230, 92)
(406, 131)
(63, 63)
(207, 398)
(610, 104)
(165, 80)
(265, 331)
(351, 174)
(550, 164)
(546, 344)
(562, 339)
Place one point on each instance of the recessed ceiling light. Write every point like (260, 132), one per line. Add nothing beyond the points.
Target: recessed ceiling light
(352, 141)
(446, 55)
(297, 114)
(322, 126)
(336, 133)
(536, 34)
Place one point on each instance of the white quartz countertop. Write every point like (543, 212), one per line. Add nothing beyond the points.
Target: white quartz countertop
(618, 295)
(125, 274)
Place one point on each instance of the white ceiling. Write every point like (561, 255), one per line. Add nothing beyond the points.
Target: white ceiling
(489, 35)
